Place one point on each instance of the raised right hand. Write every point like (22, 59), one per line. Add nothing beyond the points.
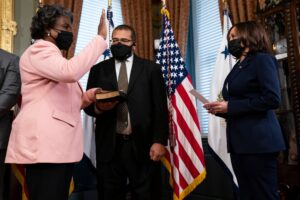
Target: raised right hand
(102, 29)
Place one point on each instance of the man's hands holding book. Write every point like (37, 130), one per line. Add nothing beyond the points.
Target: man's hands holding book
(105, 106)
(107, 100)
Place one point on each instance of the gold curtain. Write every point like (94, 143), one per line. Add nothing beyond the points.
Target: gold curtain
(137, 13)
(179, 13)
(240, 11)
(75, 6)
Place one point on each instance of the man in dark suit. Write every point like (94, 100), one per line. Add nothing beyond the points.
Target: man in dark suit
(9, 92)
(130, 135)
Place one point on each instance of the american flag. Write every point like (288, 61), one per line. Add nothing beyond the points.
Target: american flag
(184, 159)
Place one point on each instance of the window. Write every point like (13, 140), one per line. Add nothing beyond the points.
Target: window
(90, 16)
(206, 36)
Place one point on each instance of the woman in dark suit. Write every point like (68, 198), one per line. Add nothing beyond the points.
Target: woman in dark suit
(251, 91)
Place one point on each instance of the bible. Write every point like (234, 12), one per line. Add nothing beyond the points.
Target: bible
(106, 96)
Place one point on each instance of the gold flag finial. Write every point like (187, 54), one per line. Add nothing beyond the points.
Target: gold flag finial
(225, 3)
(164, 9)
(109, 3)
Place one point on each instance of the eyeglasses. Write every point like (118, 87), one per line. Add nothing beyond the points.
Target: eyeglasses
(121, 40)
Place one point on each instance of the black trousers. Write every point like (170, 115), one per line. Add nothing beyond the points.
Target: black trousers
(256, 175)
(49, 181)
(4, 176)
(124, 173)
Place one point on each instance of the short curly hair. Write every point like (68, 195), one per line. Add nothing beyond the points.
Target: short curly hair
(45, 18)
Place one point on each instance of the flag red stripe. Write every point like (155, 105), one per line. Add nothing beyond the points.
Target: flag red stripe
(189, 135)
(176, 165)
(182, 181)
(189, 164)
(189, 104)
(187, 161)
(167, 156)
(186, 130)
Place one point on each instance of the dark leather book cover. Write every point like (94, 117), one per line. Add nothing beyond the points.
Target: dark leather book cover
(106, 96)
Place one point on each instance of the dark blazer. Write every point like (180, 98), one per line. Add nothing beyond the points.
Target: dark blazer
(252, 91)
(147, 104)
(10, 85)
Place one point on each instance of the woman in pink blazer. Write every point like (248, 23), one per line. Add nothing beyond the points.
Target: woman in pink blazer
(47, 133)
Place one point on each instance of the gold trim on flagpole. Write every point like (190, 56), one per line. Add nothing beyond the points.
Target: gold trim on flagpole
(109, 3)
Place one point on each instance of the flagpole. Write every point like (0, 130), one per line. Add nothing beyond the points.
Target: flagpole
(225, 7)
(225, 3)
(226, 13)
(109, 16)
(172, 137)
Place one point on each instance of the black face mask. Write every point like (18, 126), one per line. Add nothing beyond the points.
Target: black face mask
(235, 48)
(64, 40)
(120, 51)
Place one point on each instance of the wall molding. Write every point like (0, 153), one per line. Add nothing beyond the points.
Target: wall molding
(8, 27)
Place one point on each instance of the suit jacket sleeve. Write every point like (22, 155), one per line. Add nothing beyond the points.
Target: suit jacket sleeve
(10, 88)
(269, 95)
(160, 108)
(92, 83)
